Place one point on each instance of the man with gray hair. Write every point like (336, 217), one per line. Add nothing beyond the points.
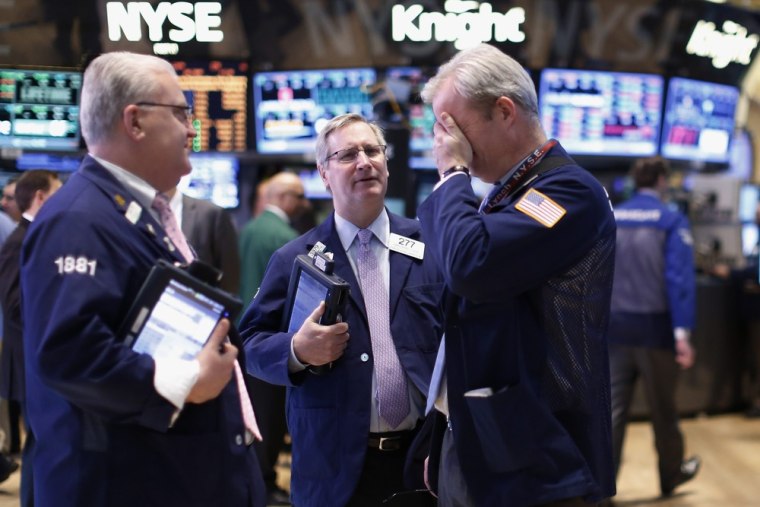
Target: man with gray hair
(352, 426)
(113, 426)
(522, 378)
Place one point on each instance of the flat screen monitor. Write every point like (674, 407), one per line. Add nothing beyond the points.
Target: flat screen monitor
(402, 86)
(292, 106)
(699, 120)
(749, 239)
(313, 186)
(214, 178)
(219, 94)
(50, 161)
(601, 112)
(748, 200)
(39, 109)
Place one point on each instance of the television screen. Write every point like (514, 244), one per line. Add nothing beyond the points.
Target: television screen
(400, 103)
(600, 112)
(291, 106)
(749, 239)
(49, 161)
(313, 186)
(748, 200)
(39, 109)
(698, 121)
(214, 178)
(219, 93)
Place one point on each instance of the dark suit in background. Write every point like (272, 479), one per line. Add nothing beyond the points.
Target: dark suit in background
(210, 231)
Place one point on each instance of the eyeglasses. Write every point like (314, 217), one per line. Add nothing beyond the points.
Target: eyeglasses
(349, 155)
(186, 112)
(297, 196)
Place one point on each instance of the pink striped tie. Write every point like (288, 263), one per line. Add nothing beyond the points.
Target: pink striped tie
(169, 223)
(392, 389)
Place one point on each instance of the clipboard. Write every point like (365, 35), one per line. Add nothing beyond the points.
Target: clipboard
(175, 313)
(313, 281)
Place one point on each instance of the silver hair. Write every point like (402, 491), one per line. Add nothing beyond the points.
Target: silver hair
(113, 81)
(338, 123)
(483, 74)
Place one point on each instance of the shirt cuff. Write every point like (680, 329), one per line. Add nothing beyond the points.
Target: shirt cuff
(175, 378)
(681, 333)
(294, 365)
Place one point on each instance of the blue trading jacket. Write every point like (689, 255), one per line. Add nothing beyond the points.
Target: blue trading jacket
(654, 272)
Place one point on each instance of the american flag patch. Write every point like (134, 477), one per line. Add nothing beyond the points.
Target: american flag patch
(540, 208)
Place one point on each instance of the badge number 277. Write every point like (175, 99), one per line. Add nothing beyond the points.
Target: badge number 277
(80, 265)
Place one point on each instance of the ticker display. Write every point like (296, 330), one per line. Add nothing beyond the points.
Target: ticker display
(219, 92)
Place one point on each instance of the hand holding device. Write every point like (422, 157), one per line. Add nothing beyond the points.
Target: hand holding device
(318, 344)
(217, 359)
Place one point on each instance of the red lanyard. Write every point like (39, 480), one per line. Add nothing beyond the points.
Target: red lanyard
(518, 176)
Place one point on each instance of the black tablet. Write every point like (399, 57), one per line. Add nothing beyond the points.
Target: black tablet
(175, 313)
(309, 285)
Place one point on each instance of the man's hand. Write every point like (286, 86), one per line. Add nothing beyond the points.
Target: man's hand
(217, 359)
(685, 354)
(316, 344)
(451, 146)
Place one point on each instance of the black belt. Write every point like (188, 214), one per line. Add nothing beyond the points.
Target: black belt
(390, 441)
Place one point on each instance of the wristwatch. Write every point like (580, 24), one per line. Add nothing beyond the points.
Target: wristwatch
(456, 169)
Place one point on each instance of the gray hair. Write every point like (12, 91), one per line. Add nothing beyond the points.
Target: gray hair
(483, 74)
(338, 123)
(111, 82)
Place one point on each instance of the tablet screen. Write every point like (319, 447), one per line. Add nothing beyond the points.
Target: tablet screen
(309, 294)
(179, 324)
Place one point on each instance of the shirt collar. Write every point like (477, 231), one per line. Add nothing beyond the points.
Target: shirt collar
(381, 228)
(141, 189)
(277, 211)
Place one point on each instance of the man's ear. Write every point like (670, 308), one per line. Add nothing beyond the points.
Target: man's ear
(505, 108)
(131, 120)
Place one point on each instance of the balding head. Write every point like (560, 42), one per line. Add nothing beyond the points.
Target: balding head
(286, 191)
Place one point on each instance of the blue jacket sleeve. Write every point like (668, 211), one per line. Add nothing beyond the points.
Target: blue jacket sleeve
(679, 273)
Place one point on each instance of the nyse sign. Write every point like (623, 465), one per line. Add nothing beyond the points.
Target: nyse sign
(187, 21)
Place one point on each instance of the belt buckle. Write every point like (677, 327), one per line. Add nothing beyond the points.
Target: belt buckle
(390, 441)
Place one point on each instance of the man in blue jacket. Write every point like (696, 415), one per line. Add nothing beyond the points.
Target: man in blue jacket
(115, 427)
(525, 387)
(350, 439)
(653, 301)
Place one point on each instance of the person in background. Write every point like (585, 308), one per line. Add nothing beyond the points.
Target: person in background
(113, 426)
(353, 425)
(8, 201)
(284, 200)
(746, 281)
(11, 411)
(6, 226)
(211, 233)
(521, 381)
(33, 188)
(652, 315)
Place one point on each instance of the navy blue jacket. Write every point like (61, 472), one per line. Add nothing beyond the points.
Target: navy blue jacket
(329, 415)
(103, 432)
(530, 311)
(654, 287)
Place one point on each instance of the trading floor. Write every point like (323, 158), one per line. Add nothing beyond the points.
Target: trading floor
(728, 444)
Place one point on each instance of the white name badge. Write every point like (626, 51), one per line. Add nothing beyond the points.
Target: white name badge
(406, 246)
(133, 212)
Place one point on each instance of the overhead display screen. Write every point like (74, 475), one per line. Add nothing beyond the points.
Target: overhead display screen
(39, 109)
(219, 92)
(699, 120)
(600, 112)
(291, 106)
